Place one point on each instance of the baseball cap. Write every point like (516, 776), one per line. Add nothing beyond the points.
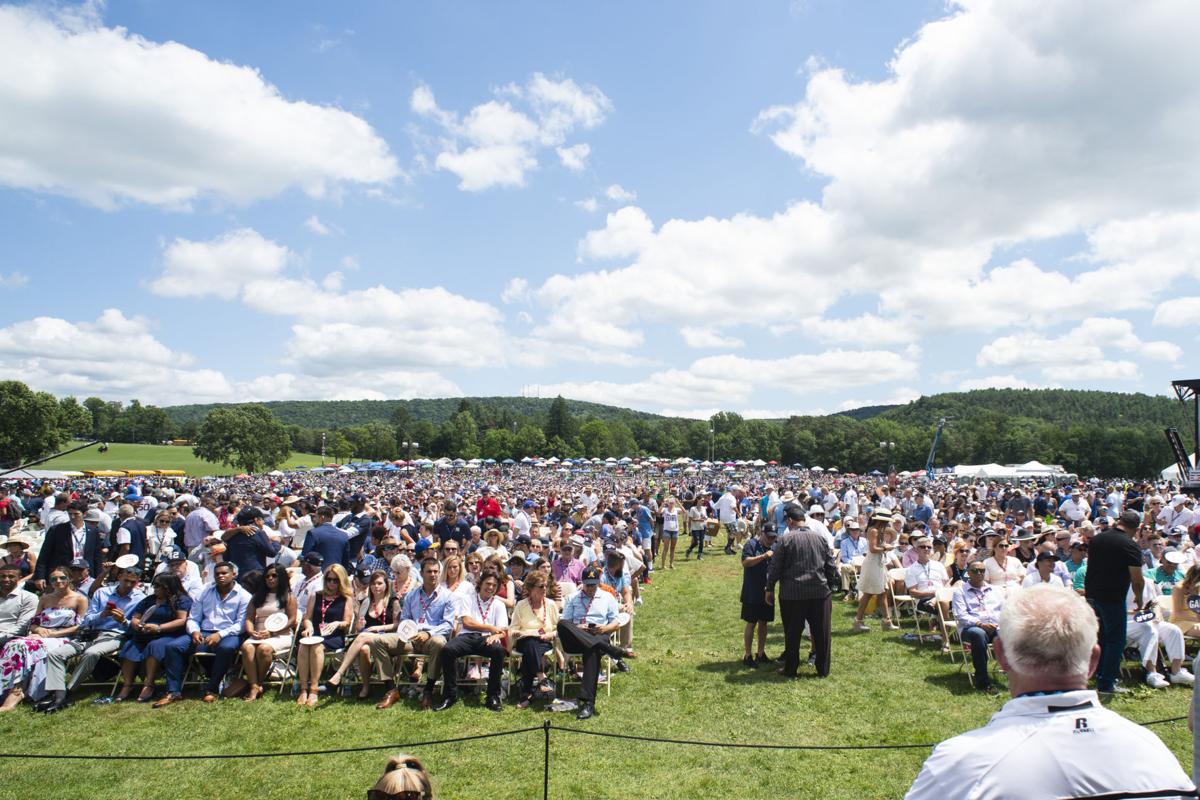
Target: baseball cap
(314, 558)
(591, 575)
(80, 563)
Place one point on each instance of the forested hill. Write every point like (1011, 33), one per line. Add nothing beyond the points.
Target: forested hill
(1055, 406)
(332, 414)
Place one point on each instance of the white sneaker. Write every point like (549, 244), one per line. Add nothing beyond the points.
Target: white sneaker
(1155, 680)
(1183, 677)
(637, 601)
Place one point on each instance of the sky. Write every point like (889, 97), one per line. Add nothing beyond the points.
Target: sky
(679, 207)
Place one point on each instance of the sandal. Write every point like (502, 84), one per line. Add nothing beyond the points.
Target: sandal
(146, 694)
(253, 694)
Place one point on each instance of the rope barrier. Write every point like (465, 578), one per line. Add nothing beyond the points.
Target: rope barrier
(545, 728)
(235, 756)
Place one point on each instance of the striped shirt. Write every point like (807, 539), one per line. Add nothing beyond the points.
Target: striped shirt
(803, 566)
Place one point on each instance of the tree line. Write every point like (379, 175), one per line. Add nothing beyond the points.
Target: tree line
(1090, 433)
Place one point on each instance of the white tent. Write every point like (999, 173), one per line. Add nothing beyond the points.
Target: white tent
(989, 471)
(1036, 469)
(1171, 473)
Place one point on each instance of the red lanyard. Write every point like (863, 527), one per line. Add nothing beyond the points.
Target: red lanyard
(586, 609)
(325, 606)
(483, 612)
(542, 617)
(425, 606)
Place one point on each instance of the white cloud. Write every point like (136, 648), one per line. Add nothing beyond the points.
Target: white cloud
(1180, 312)
(108, 117)
(117, 357)
(619, 194)
(588, 204)
(333, 281)
(220, 267)
(707, 338)
(574, 157)
(671, 388)
(1080, 354)
(864, 330)
(314, 224)
(515, 291)
(13, 280)
(626, 232)
(496, 144)
(832, 370)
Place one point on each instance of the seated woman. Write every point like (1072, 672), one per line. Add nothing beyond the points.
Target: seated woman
(376, 615)
(23, 660)
(272, 595)
(158, 628)
(330, 613)
(1183, 616)
(1003, 568)
(531, 633)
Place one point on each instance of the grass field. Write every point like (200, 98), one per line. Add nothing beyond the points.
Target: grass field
(154, 456)
(687, 683)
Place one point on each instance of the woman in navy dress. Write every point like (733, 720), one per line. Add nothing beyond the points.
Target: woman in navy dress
(328, 615)
(158, 636)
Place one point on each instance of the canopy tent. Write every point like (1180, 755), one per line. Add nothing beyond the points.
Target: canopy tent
(45, 475)
(1036, 469)
(989, 471)
(1171, 473)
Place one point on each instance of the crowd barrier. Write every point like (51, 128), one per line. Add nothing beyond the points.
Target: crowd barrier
(545, 728)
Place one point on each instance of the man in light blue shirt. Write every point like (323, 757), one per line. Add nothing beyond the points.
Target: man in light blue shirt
(434, 610)
(587, 622)
(215, 623)
(106, 617)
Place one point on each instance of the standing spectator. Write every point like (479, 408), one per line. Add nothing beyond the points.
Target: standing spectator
(804, 569)
(331, 542)
(66, 542)
(1114, 565)
(726, 507)
(756, 613)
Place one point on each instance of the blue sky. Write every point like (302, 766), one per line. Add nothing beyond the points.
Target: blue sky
(680, 207)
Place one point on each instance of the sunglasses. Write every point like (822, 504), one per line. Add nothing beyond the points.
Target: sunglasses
(376, 794)
(59, 579)
(977, 571)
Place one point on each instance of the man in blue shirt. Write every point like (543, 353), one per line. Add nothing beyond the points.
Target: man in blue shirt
(756, 558)
(434, 610)
(106, 617)
(587, 622)
(248, 545)
(645, 534)
(215, 623)
(331, 542)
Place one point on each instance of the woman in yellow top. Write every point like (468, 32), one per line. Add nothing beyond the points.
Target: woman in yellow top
(531, 633)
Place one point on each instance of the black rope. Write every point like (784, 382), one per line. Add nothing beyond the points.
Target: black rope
(1161, 721)
(746, 745)
(224, 756)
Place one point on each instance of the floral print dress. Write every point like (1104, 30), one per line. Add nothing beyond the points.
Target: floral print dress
(24, 659)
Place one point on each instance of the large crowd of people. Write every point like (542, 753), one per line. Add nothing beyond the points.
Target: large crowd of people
(417, 584)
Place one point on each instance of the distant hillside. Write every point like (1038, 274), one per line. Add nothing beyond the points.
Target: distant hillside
(1054, 406)
(865, 412)
(343, 413)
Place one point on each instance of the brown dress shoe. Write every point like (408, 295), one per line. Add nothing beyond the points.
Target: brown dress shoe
(390, 699)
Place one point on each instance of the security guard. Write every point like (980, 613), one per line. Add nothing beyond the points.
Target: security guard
(1053, 739)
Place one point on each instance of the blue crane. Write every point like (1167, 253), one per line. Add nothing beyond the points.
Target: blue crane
(937, 438)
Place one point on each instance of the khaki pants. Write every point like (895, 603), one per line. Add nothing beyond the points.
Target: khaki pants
(388, 651)
(849, 574)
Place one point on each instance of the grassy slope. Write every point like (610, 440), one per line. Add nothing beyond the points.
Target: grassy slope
(153, 456)
(687, 683)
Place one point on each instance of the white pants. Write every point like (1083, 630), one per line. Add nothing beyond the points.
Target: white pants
(1148, 635)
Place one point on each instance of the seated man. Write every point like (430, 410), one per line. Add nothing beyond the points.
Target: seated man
(852, 549)
(588, 619)
(1147, 636)
(17, 606)
(976, 606)
(1033, 747)
(99, 635)
(484, 623)
(924, 577)
(215, 623)
(434, 610)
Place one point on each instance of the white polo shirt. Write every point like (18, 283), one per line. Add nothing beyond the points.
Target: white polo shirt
(1053, 745)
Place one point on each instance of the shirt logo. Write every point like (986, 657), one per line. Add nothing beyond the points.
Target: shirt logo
(1081, 726)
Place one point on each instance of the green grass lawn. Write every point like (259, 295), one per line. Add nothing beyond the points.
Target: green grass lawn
(687, 683)
(154, 456)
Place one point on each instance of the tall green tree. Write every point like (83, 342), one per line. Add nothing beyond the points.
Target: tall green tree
(464, 436)
(498, 444)
(247, 437)
(530, 441)
(73, 417)
(559, 421)
(31, 423)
